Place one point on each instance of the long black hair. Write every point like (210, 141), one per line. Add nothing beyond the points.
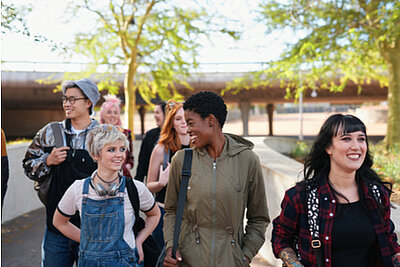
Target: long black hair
(317, 162)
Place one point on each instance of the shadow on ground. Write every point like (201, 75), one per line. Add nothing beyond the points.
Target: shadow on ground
(21, 241)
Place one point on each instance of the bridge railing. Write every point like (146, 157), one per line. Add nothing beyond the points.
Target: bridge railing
(69, 66)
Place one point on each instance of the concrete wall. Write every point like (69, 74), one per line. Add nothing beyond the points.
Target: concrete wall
(20, 197)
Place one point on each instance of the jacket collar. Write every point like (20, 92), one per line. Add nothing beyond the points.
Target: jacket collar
(233, 145)
(93, 124)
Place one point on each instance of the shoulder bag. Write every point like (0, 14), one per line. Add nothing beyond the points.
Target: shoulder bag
(42, 187)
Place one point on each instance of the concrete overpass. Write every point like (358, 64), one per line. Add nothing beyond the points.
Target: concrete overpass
(27, 105)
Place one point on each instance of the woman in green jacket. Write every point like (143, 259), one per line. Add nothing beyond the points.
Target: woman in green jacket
(225, 186)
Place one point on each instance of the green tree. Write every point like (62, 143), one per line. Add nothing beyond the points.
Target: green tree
(156, 41)
(13, 18)
(337, 41)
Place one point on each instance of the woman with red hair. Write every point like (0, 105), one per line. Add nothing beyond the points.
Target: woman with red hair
(173, 137)
(110, 114)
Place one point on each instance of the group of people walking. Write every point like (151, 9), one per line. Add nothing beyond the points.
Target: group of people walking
(339, 215)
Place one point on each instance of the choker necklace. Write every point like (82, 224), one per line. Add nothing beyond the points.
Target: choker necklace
(107, 182)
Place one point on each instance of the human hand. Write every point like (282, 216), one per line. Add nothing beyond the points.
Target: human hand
(128, 166)
(164, 175)
(169, 261)
(139, 247)
(396, 260)
(57, 155)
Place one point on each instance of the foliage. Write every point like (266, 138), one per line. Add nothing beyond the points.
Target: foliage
(336, 42)
(155, 40)
(387, 163)
(300, 151)
(13, 21)
(12, 18)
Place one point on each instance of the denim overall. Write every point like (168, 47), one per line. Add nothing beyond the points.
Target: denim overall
(102, 229)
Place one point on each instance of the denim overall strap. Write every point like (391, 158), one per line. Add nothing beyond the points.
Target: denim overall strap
(102, 231)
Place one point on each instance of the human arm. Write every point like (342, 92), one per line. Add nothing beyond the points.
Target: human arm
(66, 208)
(63, 224)
(157, 178)
(41, 155)
(389, 228)
(286, 227)
(257, 209)
(152, 219)
(170, 206)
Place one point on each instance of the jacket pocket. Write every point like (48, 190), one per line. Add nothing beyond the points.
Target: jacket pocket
(190, 244)
(237, 252)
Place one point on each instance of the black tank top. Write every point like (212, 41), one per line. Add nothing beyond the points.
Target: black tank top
(353, 236)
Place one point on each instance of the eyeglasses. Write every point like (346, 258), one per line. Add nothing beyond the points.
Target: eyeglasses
(71, 99)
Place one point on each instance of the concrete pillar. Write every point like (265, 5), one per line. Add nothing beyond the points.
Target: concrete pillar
(142, 113)
(244, 107)
(270, 111)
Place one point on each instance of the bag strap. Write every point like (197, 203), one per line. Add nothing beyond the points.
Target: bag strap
(55, 126)
(134, 198)
(167, 156)
(186, 173)
(313, 211)
(312, 214)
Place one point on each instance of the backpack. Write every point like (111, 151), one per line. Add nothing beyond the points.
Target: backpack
(151, 249)
(153, 254)
(42, 187)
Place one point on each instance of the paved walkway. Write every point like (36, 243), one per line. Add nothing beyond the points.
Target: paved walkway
(21, 241)
(22, 237)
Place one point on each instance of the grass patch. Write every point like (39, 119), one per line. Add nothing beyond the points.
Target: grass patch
(19, 141)
(387, 163)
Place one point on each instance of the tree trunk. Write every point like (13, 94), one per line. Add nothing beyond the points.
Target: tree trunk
(391, 54)
(130, 96)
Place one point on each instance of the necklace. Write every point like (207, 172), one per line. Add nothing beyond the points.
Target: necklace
(107, 182)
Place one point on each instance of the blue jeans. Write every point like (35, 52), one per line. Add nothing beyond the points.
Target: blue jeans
(58, 250)
(158, 234)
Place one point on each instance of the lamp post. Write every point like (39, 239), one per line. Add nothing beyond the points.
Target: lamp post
(301, 137)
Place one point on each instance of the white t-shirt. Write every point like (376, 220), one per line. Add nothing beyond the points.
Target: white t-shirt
(72, 201)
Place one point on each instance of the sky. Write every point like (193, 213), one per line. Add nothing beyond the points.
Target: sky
(47, 18)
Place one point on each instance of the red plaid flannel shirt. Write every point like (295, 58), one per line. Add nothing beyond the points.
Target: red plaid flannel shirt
(291, 226)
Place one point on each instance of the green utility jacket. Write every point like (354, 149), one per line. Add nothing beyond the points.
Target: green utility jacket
(218, 195)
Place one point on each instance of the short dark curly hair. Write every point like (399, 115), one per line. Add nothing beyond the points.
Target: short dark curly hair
(205, 103)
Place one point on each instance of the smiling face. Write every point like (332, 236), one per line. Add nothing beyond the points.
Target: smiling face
(111, 157)
(81, 106)
(158, 115)
(198, 129)
(180, 123)
(111, 116)
(347, 152)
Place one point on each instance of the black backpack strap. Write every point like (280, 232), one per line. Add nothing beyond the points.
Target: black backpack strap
(134, 198)
(55, 126)
(186, 173)
(313, 214)
(167, 156)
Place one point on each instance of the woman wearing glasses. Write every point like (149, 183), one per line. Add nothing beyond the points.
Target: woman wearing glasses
(173, 137)
(107, 216)
(110, 114)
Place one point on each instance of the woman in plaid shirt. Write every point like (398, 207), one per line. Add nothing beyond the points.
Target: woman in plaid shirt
(353, 207)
